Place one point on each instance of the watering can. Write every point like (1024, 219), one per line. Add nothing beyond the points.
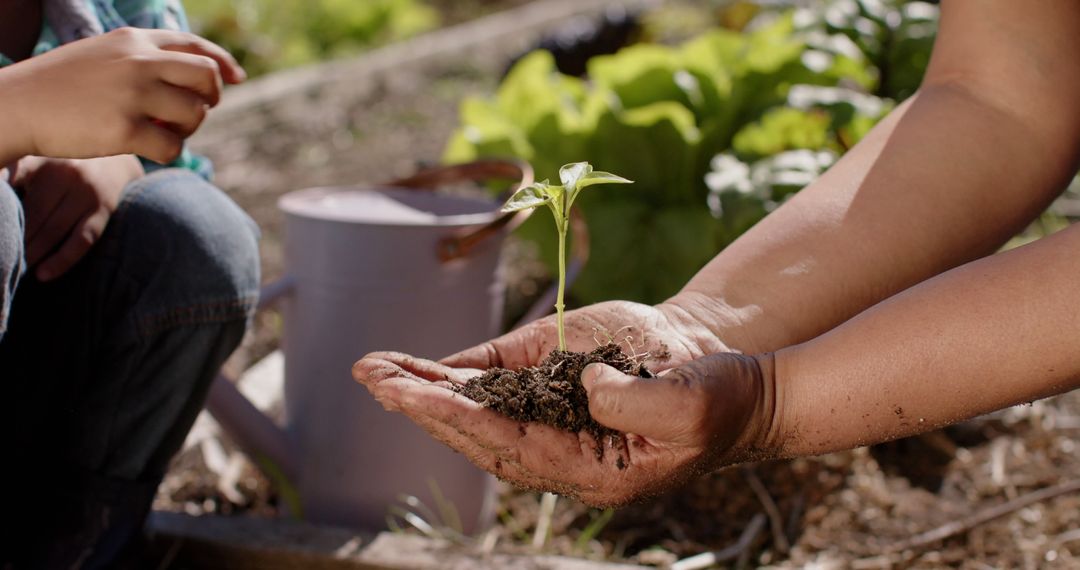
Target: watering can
(386, 267)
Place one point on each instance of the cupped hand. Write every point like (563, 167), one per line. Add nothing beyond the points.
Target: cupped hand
(67, 204)
(670, 334)
(704, 412)
(130, 91)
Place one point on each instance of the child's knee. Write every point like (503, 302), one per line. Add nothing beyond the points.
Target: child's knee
(197, 250)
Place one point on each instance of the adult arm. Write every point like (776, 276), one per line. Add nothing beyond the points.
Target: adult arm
(991, 137)
(990, 334)
(989, 140)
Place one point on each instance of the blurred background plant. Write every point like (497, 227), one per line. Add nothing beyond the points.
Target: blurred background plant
(266, 35)
(701, 94)
(717, 128)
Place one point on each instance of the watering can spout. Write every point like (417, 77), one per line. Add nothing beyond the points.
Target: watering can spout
(253, 431)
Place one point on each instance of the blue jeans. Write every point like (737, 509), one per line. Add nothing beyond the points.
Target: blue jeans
(103, 371)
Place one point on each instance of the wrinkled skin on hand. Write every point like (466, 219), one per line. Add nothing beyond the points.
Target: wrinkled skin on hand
(696, 416)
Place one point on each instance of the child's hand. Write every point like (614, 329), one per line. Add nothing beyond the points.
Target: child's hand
(130, 91)
(67, 205)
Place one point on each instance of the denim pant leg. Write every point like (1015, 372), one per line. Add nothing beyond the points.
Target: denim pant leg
(12, 265)
(106, 368)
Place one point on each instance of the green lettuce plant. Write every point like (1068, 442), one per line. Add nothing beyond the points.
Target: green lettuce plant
(658, 115)
(575, 177)
(267, 35)
(896, 36)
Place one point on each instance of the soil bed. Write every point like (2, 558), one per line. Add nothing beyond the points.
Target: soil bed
(551, 393)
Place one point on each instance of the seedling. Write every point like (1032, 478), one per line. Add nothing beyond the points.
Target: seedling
(559, 198)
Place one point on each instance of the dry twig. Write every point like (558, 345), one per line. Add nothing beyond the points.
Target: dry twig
(776, 521)
(706, 559)
(986, 515)
(543, 521)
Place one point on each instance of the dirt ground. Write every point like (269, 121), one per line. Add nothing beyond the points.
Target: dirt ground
(846, 510)
(867, 508)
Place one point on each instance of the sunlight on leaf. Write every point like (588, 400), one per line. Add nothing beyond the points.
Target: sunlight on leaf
(602, 178)
(595, 178)
(570, 174)
(530, 196)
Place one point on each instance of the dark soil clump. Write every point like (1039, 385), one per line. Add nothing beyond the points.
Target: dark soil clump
(552, 392)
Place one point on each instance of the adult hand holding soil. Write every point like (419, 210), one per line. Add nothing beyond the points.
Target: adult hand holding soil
(128, 91)
(672, 333)
(698, 415)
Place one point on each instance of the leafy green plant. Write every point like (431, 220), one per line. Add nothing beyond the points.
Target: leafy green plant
(575, 177)
(896, 36)
(791, 146)
(266, 35)
(658, 115)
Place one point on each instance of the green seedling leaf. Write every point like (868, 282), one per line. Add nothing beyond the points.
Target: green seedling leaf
(574, 176)
(569, 174)
(592, 178)
(598, 177)
(530, 196)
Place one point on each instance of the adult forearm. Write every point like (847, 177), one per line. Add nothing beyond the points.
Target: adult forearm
(947, 178)
(992, 333)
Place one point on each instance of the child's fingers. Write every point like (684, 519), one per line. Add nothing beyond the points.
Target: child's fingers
(176, 109)
(231, 71)
(197, 73)
(155, 142)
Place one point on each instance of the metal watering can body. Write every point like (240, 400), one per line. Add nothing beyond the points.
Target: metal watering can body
(374, 268)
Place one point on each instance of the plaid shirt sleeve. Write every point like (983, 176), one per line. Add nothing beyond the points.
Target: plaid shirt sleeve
(160, 14)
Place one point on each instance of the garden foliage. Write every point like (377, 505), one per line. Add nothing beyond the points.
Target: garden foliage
(895, 37)
(715, 132)
(266, 35)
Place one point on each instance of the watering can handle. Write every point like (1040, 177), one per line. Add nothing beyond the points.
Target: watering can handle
(461, 242)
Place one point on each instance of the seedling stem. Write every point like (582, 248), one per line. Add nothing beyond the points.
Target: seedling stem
(560, 198)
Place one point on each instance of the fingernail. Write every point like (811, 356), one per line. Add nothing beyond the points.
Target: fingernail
(589, 374)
